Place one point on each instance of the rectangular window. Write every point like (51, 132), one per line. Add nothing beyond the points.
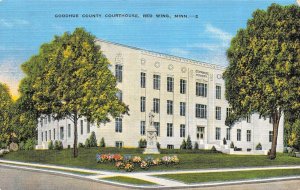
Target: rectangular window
(156, 105)
(42, 136)
(170, 146)
(46, 136)
(182, 86)
(248, 118)
(118, 125)
(169, 130)
(200, 132)
(238, 134)
(119, 73)
(218, 133)
(62, 135)
(228, 134)
(54, 134)
(157, 127)
(143, 104)
(119, 144)
(41, 121)
(201, 111)
(49, 118)
(50, 135)
(119, 95)
(143, 80)
(170, 84)
(169, 107)
(218, 92)
(228, 112)
(270, 136)
(45, 120)
(81, 127)
(248, 135)
(69, 130)
(143, 128)
(218, 113)
(156, 82)
(201, 89)
(182, 130)
(88, 127)
(182, 108)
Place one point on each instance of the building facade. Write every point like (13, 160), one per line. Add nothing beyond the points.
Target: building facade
(186, 96)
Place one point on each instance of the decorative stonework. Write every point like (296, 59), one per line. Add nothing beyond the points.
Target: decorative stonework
(170, 67)
(157, 64)
(119, 58)
(219, 76)
(183, 69)
(211, 77)
(191, 73)
(143, 61)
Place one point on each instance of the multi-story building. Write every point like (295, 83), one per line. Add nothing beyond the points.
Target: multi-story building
(186, 96)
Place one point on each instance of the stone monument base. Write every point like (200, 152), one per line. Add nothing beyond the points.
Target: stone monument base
(151, 151)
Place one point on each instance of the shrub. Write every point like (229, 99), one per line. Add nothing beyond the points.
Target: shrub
(292, 152)
(213, 149)
(80, 145)
(258, 147)
(231, 145)
(224, 141)
(196, 146)
(3, 145)
(183, 144)
(50, 145)
(87, 143)
(102, 143)
(158, 145)
(142, 143)
(285, 150)
(21, 145)
(189, 143)
(58, 145)
(93, 140)
(30, 144)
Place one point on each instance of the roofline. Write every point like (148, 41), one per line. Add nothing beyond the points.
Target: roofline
(215, 66)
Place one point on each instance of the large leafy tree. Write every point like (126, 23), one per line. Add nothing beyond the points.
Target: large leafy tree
(6, 104)
(70, 78)
(263, 75)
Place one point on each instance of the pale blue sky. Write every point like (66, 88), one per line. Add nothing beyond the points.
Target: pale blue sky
(25, 25)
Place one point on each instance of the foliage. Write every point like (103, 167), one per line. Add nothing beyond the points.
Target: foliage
(50, 145)
(70, 78)
(224, 141)
(189, 143)
(213, 149)
(58, 145)
(158, 145)
(258, 147)
(292, 152)
(264, 65)
(30, 144)
(21, 145)
(231, 145)
(196, 146)
(292, 134)
(183, 144)
(93, 140)
(142, 143)
(102, 142)
(80, 145)
(87, 143)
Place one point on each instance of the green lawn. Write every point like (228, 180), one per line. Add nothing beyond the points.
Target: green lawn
(230, 176)
(188, 159)
(128, 180)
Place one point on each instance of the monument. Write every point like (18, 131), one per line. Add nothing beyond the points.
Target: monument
(151, 137)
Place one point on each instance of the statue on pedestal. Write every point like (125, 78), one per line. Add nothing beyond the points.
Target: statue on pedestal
(151, 137)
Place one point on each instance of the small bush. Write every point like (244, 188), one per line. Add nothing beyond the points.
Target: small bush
(196, 146)
(285, 150)
(142, 143)
(21, 145)
(231, 145)
(292, 152)
(258, 147)
(183, 144)
(87, 143)
(102, 142)
(224, 141)
(50, 145)
(93, 140)
(213, 149)
(189, 143)
(30, 144)
(158, 145)
(58, 145)
(3, 145)
(80, 145)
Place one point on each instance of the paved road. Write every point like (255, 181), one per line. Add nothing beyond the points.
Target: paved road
(14, 179)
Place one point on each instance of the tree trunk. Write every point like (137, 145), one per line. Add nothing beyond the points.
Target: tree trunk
(75, 148)
(276, 119)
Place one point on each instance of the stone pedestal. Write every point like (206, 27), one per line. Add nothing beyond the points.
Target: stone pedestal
(151, 141)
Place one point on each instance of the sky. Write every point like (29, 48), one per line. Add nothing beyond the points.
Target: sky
(204, 35)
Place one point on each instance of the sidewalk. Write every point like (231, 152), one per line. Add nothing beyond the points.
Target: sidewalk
(98, 175)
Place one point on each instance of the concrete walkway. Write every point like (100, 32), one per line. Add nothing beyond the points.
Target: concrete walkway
(98, 175)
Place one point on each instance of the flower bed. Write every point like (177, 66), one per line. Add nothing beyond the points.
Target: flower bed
(129, 162)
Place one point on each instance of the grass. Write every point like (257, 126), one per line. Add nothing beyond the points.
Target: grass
(128, 180)
(230, 176)
(189, 159)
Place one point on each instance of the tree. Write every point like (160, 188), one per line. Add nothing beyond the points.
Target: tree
(189, 143)
(264, 67)
(71, 79)
(6, 104)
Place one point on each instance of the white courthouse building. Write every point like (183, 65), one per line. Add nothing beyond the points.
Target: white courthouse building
(186, 96)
